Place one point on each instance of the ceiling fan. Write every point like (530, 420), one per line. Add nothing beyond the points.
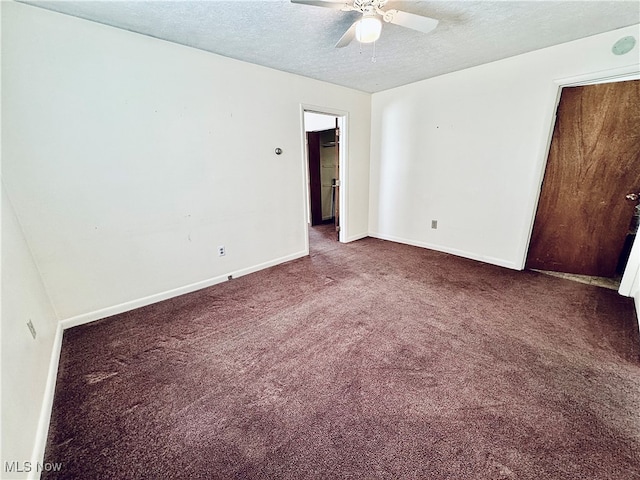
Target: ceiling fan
(368, 28)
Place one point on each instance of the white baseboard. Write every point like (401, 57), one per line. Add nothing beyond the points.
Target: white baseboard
(158, 297)
(453, 251)
(270, 263)
(140, 302)
(353, 238)
(40, 443)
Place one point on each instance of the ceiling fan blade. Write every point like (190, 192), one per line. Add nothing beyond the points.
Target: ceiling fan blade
(339, 5)
(348, 36)
(410, 20)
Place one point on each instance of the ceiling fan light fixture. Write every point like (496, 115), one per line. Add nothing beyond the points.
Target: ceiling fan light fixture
(368, 29)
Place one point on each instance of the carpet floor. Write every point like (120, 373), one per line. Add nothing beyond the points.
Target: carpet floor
(364, 360)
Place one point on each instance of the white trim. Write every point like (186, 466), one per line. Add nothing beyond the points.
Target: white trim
(534, 197)
(356, 237)
(629, 72)
(158, 297)
(271, 263)
(454, 251)
(631, 272)
(42, 432)
(343, 161)
(305, 174)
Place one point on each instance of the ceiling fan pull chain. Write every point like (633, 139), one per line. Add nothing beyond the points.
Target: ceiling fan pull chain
(373, 57)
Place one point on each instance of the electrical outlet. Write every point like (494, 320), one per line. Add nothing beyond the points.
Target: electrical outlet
(32, 329)
(221, 251)
(434, 224)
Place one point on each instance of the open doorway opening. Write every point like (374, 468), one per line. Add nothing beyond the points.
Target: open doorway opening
(323, 133)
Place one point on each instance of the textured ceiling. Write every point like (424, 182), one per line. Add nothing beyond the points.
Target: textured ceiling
(299, 39)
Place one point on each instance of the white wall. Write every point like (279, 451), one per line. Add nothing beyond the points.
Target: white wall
(130, 159)
(25, 360)
(630, 284)
(468, 149)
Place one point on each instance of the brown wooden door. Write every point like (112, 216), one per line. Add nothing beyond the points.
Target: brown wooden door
(594, 162)
(315, 182)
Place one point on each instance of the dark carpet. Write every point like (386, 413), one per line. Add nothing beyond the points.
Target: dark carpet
(365, 360)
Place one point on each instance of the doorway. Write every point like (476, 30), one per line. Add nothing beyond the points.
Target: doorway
(323, 133)
(586, 217)
(323, 161)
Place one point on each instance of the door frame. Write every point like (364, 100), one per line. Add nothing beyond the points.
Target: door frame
(343, 125)
(614, 75)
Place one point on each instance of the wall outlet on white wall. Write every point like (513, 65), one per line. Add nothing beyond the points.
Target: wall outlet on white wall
(434, 224)
(221, 251)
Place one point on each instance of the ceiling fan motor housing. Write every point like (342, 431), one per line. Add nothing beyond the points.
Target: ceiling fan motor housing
(368, 28)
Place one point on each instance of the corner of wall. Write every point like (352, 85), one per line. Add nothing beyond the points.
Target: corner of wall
(30, 362)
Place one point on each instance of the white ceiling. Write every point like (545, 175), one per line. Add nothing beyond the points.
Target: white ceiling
(299, 39)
